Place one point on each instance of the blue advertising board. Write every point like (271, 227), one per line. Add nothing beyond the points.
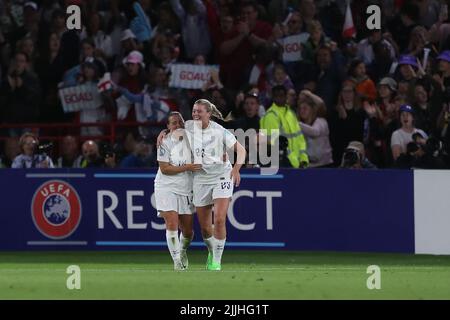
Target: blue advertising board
(329, 209)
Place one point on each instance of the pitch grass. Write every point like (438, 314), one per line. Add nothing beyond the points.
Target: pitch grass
(245, 275)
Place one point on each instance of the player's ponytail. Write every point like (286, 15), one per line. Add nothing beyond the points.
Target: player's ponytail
(211, 108)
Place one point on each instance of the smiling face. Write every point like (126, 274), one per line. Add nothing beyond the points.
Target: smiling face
(200, 113)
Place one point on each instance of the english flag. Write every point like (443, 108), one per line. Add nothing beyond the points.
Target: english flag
(349, 30)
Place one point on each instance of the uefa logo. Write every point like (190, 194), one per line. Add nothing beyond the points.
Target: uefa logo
(56, 209)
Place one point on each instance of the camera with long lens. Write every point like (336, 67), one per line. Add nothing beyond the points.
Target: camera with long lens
(351, 158)
(44, 149)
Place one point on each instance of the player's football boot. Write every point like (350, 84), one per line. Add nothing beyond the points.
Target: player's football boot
(209, 260)
(214, 266)
(184, 258)
(178, 266)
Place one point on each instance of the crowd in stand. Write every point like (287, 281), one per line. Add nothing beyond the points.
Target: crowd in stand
(376, 99)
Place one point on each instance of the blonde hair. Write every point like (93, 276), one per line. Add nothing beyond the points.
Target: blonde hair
(211, 108)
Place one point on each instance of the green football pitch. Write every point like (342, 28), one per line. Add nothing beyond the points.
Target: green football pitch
(245, 275)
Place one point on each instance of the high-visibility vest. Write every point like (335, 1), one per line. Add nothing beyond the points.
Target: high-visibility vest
(284, 119)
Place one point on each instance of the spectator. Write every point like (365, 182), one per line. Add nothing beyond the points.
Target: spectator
(351, 117)
(239, 46)
(355, 158)
(311, 112)
(70, 157)
(102, 41)
(317, 38)
(250, 119)
(93, 159)
(29, 156)
(280, 117)
(194, 26)
(366, 47)
(141, 157)
(22, 91)
(365, 87)
(404, 135)
(10, 151)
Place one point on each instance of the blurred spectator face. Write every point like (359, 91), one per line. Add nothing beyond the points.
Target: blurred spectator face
(89, 73)
(21, 63)
(348, 94)
(30, 15)
(175, 122)
(315, 31)
(403, 88)
(69, 147)
(199, 60)
(29, 146)
(323, 58)
(251, 106)
(226, 24)
(295, 23)
(87, 50)
(360, 70)
(132, 69)
(219, 100)
(406, 119)
(165, 55)
(305, 111)
(90, 150)
(142, 148)
(12, 148)
(444, 66)
(308, 8)
(249, 15)
(129, 143)
(384, 91)
(160, 78)
(59, 22)
(279, 75)
(94, 23)
(129, 45)
(375, 36)
(420, 94)
(279, 98)
(291, 97)
(27, 46)
(54, 42)
(406, 71)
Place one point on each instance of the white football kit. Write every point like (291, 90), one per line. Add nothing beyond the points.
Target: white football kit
(174, 192)
(208, 147)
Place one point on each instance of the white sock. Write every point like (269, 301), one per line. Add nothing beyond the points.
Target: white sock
(173, 244)
(185, 242)
(219, 245)
(209, 243)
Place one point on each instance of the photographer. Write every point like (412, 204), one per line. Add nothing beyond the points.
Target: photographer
(32, 155)
(93, 159)
(354, 157)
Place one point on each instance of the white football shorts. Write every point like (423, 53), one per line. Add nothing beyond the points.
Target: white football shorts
(204, 194)
(169, 201)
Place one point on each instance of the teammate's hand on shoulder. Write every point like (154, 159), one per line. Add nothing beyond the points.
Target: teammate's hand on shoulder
(161, 137)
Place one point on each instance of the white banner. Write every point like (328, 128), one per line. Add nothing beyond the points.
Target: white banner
(190, 76)
(292, 47)
(82, 97)
(432, 211)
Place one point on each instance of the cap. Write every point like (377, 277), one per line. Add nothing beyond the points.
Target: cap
(445, 55)
(134, 57)
(387, 81)
(408, 60)
(357, 146)
(127, 34)
(406, 108)
(31, 4)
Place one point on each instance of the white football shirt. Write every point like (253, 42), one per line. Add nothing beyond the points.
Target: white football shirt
(174, 150)
(209, 146)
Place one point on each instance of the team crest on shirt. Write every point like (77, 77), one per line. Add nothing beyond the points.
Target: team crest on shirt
(56, 209)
